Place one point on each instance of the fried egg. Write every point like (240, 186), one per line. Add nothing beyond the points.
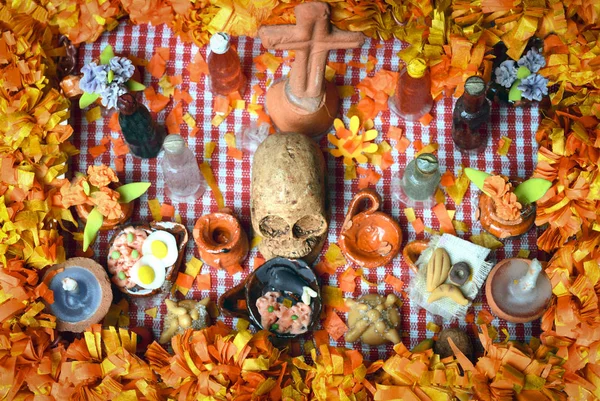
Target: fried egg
(163, 246)
(149, 272)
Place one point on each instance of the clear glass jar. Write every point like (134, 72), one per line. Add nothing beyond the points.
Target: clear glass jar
(419, 181)
(183, 181)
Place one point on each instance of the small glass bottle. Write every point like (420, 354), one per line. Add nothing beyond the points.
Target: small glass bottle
(226, 75)
(143, 136)
(412, 99)
(470, 117)
(419, 181)
(183, 181)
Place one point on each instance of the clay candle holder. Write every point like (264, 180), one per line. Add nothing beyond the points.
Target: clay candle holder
(220, 239)
(518, 290)
(303, 102)
(369, 238)
(82, 294)
(412, 251)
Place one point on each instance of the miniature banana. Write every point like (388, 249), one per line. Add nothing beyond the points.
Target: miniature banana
(450, 291)
(437, 269)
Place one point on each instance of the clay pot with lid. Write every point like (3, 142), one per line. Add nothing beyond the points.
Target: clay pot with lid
(501, 228)
(369, 238)
(220, 239)
(83, 211)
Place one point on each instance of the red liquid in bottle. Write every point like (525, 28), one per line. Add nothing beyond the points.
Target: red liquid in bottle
(470, 117)
(412, 99)
(224, 66)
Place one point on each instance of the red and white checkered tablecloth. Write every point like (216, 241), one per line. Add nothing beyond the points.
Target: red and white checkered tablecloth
(234, 176)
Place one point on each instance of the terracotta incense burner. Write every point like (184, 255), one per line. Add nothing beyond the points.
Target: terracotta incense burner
(303, 102)
(369, 238)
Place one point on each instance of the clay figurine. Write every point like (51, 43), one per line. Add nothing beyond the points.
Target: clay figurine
(287, 197)
(518, 290)
(282, 296)
(369, 238)
(143, 259)
(221, 241)
(82, 294)
(374, 319)
(304, 102)
(184, 315)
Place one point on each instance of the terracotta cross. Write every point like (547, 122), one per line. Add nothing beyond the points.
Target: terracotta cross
(311, 38)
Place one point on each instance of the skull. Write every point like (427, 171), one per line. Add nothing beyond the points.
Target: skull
(288, 197)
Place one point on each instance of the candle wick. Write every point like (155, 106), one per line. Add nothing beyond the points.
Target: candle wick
(70, 285)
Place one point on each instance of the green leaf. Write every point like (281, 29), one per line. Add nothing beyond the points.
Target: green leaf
(92, 226)
(477, 177)
(514, 95)
(87, 98)
(106, 54)
(111, 76)
(523, 72)
(86, 187)
(134, 86)
(132, 191)
(532, 190)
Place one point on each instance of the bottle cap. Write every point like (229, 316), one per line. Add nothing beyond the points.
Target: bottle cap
(174, 144)
(427, 163)
(475, 86)
(219, 43)
(416, 67)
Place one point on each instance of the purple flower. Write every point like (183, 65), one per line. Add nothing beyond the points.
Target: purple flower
(533, 60)
(123, 69)
(534, 87)
(111, 94)
(94, 78)
(506, 73)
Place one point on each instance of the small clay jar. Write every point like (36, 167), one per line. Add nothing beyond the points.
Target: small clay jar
(83, 212)
(220, 239)
(516, 309)
(412, 251)
(369, 238)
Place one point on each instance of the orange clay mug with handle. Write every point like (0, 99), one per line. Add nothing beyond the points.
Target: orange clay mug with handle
(221, 240)
(369, 238)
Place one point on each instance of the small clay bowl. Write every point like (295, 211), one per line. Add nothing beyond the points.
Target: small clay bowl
(181, 237)
(369, 238)
(220, 239)
(507, 308)
(412, 251)
(278, 274)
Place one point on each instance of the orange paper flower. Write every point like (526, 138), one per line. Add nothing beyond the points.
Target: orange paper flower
(101, 176)
(107, 203)
(73, 193)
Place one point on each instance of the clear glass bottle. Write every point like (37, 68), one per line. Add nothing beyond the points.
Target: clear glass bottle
(226, 75)
(412, 99)
(183, 181)
(419, 181)
(470, 117)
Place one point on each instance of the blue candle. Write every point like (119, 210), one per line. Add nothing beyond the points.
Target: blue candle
(77, 294)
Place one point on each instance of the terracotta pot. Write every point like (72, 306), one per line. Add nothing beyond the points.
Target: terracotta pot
(83, 212)
(369, 238)
(220, 239)
(516, 309)
(412, 251)
(278, 274)
(500, 228)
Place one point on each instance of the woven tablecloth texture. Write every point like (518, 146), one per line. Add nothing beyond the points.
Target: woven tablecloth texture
(233, 176)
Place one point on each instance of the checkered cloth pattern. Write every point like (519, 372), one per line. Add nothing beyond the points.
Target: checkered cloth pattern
(233, 176)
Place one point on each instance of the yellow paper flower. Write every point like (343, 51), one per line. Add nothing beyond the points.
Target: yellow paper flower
(349, 144)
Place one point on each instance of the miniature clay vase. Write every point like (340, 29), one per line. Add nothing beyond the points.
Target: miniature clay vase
(369, 238)
(82, 294)
(500, 228)
(220, 239)
(520, 309)
(412, 251)
(278, 274)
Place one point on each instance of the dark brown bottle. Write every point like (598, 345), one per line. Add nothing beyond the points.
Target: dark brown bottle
(143, 136)
(470, 117)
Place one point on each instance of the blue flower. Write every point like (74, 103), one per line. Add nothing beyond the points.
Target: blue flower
(506, 73)
(94, 78)
(533, 60)
(111, 94)
(534, 87)
(123, 69)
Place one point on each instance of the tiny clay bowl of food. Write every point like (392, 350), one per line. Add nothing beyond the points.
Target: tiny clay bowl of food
(143, 259)
(499, 227)
(83, 211)
(282, 296)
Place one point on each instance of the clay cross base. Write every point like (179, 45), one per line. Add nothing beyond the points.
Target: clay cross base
(290, 117)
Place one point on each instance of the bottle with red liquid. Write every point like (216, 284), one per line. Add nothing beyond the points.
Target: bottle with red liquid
(412, 99)
(470, 117)
(224, 67)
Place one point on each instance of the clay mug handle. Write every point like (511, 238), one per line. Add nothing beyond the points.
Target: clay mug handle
(228, 302)
(364, 194)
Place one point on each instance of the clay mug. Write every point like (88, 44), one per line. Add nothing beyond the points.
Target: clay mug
(369, 238)
(278, 274)
(412, 251)
(220, 239)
